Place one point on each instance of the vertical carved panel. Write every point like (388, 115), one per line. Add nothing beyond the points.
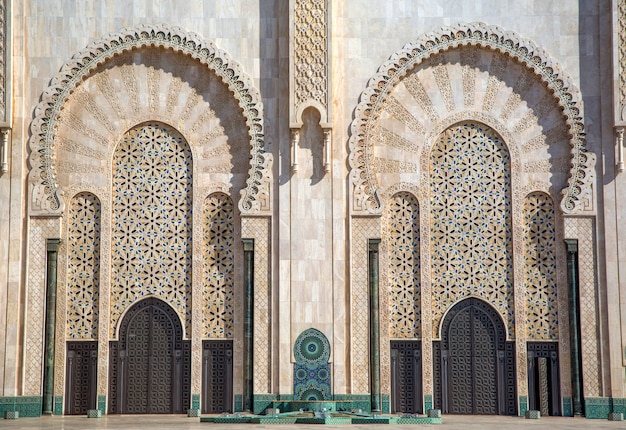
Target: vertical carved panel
(151, 225)
(310, 56)
(621, 43)
(218, 267)
(404, 267)
(83, 267)
(583, 229)
(471, 234)
(259, 230)
(540, 267)
(40, 230)
(362, 230)
(5, 76)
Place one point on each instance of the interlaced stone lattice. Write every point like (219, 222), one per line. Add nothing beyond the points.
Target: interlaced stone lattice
(404, 267)
(151, 225)
(218, 266)
(83, 267)
(540, 267)
(471, 221)
(311, 51)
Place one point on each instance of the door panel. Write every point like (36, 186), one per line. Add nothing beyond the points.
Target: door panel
(406, 377)
(217, 376)
(82, 373)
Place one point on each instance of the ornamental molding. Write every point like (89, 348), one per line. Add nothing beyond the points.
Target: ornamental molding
(47, 196)
(367, 194)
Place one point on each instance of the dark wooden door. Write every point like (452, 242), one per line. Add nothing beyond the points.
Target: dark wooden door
(217, 376)
(406, 377)
(82, 372)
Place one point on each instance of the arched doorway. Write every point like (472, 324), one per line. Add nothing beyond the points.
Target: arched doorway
(150, 371)
(477, 373)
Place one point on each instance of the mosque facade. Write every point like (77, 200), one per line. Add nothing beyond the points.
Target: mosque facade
(398, 206)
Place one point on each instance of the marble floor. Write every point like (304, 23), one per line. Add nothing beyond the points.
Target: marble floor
(128, 422)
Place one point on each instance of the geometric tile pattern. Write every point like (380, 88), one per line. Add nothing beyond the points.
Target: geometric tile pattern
(471, 234)
(218, 267)
(583, 229)
(540, 267)
(311, 370)
(363, 228)
(151, 220)
(83, 267)
(404, 266)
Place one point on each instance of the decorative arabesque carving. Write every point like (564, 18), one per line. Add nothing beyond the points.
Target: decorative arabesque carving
(540, 268)
(3, 63)
(367, 192)
(83, 267)
(621, 43)
(151, 221)
(470, 221)
(46, 196)
(310, 56)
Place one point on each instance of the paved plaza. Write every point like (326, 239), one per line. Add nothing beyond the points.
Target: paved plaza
(181, 422)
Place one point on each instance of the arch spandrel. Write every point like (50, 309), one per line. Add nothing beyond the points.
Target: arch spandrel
(83, 80)
(477, 72)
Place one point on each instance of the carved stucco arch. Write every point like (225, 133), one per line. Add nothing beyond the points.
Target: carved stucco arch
(492, 38)
(46, 195)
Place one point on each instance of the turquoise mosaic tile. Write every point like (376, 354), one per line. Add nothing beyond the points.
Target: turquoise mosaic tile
(274, 420)
(523, 405)
(260, 402)
(311, 370)
(597, 407)
(58, 405)
(619, 405)
(376, 420)
(102, 404)
(27, 406)
(567, 407)
(386, 404)
(238, 405)
(195, 401)
(428, 402)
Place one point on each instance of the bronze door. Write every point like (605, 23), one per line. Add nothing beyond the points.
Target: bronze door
(477, 370)
(81, 371)
(406, 377)
(150, 365)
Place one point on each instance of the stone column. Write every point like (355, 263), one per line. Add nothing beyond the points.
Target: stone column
(248, 255)
(374, 325)
(52, 248)
(574, 324)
